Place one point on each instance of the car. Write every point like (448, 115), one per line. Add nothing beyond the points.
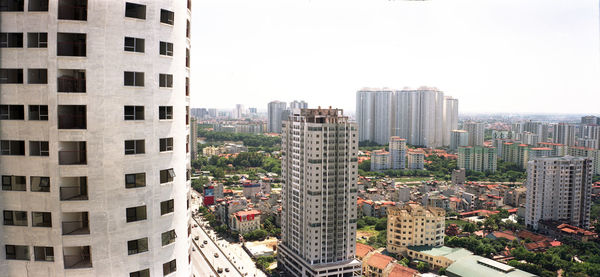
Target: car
(216, 255)
(196, 238)
(227, 269)
(219, 270)
(201, 245)
(193, 249)
(195, 225)
(205, 242)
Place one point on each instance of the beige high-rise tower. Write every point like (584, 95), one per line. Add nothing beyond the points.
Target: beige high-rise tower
(94, 131)
(319, 171)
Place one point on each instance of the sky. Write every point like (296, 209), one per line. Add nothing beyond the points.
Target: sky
(514, 56)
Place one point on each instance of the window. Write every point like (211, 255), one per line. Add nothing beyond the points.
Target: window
(43, 253)
(37, 40)
(11, 5)
(168, 237)
(71, 80)
(187, 57)
(137, 246)
(72, 117)
(187, 86)
(169, 267)
(38, 148)
(166, 144)
(134, 112)
(12, 147)
(71, 44)
(38, 112)
(188, 29)
(41, 219)
(135, 79)
(72, 9)
(167, 17)
(12, 112)
(165, 112)
(167, 207)
(135, 180)
(135, 147)
(140, 273)
(40, 184)
(15, 218)
(38, 5)
(135, 10)
(166, 48)
(167, 175)
(134, 44)
(37, 76)
(11, 40)
(13, 183)
(165, 80)
(17, 252)
(136, 213)
(11, 76)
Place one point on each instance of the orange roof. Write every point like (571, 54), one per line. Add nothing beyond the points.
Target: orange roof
(402, 271)
(250, 212)
(507, 235)
(379, 261)
(524, 234)
(362, 249)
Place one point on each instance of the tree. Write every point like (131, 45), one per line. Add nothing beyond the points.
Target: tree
(381, 224)
(470, 228)
(423, 267)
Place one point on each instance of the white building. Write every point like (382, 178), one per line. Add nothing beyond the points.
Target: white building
(564, 133)
(365, 116)
(559, 189)
(277, 113)
(450, 118)
(380, 160)
(476, 133)
(397, 153)
(383, 111)
(298, 105)
(458, 138)
(94, 175)
(318, 217)
(415, 159)
(244, 221)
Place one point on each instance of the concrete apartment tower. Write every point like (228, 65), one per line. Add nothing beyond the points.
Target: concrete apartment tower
(319, 173)
(559, 189)
(397, 153)
(458, 138)
(94, 138)
(476, 132)
(414, 225)
(277, 113)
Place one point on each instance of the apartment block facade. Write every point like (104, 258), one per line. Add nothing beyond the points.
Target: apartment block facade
(414, 225)
(477, 158)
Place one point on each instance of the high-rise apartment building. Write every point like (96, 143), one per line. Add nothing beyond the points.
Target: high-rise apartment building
(277, 113)
(414, 225)
(298, 105)
(93, 144)
(193, 143)
(365, 114)
(590, 120)
(450, 118)
(458, 138)
(563, 133)
(239, 111)
(319, 194)
(516, 153)
(590, 153)
(383, 116)
(380, 160)
(476, 132)
(397, 148)
(477, 158)
(559, 189)
(415, 159)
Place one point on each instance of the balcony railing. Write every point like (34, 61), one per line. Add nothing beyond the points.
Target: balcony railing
(72, 194)
(70, 84)
(72, 157)
(75, 228)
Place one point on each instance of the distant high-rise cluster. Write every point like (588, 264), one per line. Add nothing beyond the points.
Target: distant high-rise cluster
(278, 112)
(423, 116)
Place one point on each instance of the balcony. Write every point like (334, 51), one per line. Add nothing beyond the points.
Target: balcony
(72, 153)
(72, 117)
(73, 189)
(71, 44)
(75, 224)
(77, 257)
(71, 81)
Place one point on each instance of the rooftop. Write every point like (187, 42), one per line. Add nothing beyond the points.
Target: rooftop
(402, 271)
(363, 249)
(476, 266)
(448, 252)
(379, 261)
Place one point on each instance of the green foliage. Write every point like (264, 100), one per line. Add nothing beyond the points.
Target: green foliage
(258, 142)
(595, 178)
(506, 172)
(365, 165)
(270, 226)
(264, 262)
(405, 261)
(470, 228)
(480, 246)
(379, 240)
(440, 167)
(423, 267)
(381, 224)
(198, 184)
(259, 234)
(442, 271)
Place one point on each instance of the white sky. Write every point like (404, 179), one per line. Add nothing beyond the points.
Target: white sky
(494, 56)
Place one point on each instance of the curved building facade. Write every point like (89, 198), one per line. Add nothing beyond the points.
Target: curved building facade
(94, 129)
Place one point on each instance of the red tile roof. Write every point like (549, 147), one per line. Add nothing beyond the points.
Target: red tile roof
(379, 261)
(402, 271)
(362, 249)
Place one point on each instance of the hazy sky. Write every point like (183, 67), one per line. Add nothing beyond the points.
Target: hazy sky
(501, 55)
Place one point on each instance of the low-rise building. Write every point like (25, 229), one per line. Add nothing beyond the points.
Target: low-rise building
(437, 256)
(476, 266)
(413, 225)
(245, 221)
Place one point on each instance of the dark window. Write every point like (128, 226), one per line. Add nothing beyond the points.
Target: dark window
(38, 5)
(135, 147)
(71, 80)
(72, 9)
(169, 267)
(135, 10)
(41, 219)
(135, 79)
(13, 183)
(167, 17)
(166, 48)
(12, 5)
(168, 237)
(38, 148)
(38, 112)
(12, 112)
(135, 180)
(37, 40)
(188, 29)
(40, 184)
(15, 218)
(167, 207)
(11, 40)
(11, 76)
(17, 252)
(166, 144)
(189, 4)
(167, 175)
(140, 273)
(187, 86)
(12, 147)
(187, 57)
(72, 117)
(43, 254)
(137, 246)
(37, 76)
(165, 112)
(165, 80)
(134, 44)
(134, 112)
(136, 213)
(71, 44)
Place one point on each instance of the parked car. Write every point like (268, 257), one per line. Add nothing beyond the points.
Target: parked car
(216, 255)
(205, 242)
(196, 238)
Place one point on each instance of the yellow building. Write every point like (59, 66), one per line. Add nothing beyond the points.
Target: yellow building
(414, 225)
(245, 221)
